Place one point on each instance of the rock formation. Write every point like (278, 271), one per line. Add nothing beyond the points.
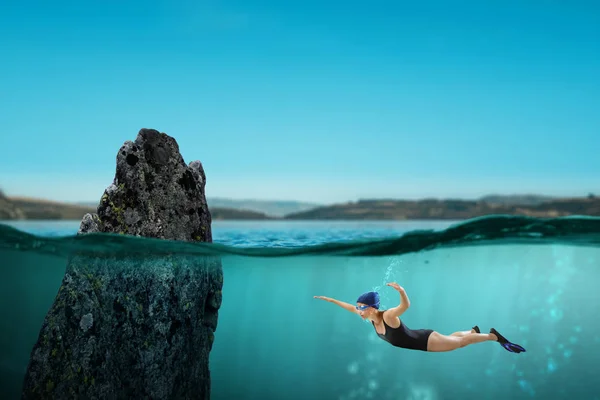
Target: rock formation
(135, 327)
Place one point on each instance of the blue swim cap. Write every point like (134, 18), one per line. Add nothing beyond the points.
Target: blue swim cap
(370, 299)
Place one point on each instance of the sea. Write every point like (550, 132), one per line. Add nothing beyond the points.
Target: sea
(534, 280)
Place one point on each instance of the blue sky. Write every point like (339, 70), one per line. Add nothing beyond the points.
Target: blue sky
(306, 100)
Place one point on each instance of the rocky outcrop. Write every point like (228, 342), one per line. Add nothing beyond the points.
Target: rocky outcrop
(154, 194)
(135, 327)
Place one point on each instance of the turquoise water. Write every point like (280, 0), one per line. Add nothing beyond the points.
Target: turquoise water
(535, 281)
(268, 233)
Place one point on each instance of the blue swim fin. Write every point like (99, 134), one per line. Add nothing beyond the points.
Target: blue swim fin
(512, 347)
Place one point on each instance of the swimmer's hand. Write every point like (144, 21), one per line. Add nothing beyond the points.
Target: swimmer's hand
(329, 299)
(395, 286)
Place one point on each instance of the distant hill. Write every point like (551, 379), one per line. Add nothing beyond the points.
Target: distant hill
(446, 209)
(275, 208)
(375, 209)
(26, 208)
(233, 214)
(524, 200)
(8, 210)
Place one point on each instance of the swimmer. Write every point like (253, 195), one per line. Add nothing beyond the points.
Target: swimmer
(390, 328)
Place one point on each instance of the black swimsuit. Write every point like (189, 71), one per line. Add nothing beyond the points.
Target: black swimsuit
(404, 337)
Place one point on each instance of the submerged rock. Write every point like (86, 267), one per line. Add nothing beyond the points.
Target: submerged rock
(135, 328)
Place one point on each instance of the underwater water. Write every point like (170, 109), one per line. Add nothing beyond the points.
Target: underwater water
(533, 280)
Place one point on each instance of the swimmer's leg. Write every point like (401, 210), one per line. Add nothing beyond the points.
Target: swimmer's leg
(438, 342)
(475, 329)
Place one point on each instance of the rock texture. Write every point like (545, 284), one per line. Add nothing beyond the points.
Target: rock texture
(154, 194)
(130, 327)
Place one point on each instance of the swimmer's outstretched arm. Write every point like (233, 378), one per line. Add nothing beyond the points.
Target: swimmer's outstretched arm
(345, 306)
(404, 303)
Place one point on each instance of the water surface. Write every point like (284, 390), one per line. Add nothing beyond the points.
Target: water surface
(533, 280)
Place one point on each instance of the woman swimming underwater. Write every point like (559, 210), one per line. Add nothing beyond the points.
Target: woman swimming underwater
(390, 328)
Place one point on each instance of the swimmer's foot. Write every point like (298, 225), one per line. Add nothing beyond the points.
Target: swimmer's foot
(512, 347)
(475, 329)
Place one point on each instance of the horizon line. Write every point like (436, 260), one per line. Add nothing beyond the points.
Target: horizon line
(383, 198)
